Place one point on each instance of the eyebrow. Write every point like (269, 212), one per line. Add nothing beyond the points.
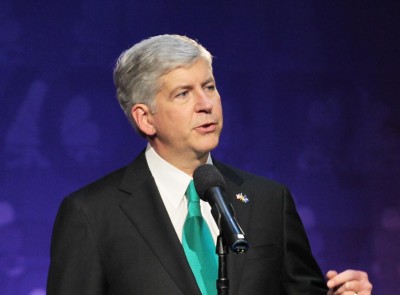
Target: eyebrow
(188, 86)
(209, 80)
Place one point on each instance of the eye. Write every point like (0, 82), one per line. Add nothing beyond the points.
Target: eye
(210, 87)
(182, 94)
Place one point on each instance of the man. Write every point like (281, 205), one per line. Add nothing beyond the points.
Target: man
(125, 233)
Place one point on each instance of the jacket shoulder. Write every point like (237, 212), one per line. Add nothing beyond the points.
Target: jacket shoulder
(239, 176)
(114, 184)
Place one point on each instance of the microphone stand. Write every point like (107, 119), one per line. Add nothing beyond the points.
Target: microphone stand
(222, 252)
(239, 246)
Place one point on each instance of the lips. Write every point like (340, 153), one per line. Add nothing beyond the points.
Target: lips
(207, 127)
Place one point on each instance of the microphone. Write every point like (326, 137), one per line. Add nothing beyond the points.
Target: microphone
(210, 186)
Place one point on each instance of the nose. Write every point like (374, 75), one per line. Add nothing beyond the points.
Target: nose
(203, 102)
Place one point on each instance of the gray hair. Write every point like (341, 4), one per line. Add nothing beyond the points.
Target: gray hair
(138, 69)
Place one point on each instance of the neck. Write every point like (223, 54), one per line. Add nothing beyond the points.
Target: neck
(187, 163)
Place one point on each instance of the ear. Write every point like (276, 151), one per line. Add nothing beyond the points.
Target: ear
(143, 117)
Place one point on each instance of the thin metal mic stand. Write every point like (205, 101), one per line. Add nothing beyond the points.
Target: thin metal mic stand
(222, 252)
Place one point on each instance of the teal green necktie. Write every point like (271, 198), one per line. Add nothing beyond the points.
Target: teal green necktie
(198, 245)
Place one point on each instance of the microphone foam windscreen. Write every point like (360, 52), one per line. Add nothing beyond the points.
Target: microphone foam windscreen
(205, 177)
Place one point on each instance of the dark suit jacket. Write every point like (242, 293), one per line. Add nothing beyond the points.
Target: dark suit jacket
(114, 236)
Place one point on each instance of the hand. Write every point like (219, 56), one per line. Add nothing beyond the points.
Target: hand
(349, 282)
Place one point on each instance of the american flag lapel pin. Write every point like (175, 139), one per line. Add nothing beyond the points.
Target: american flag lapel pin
(242, 198)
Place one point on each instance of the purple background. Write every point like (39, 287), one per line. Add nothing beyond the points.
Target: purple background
(310, 95)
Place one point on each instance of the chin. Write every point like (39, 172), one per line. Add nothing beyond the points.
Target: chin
(207, 146)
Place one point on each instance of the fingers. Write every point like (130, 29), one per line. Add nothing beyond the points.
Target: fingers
(349, 287)
(348, 282)
(330, 274)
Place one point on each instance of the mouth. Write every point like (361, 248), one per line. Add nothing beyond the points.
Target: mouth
(207, 127)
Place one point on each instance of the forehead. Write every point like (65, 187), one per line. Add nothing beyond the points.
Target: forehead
(199, 71)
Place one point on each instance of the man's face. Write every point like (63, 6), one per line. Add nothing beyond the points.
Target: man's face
(188, 113)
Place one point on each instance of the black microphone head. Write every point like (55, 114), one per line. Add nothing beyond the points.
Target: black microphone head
(207, 176)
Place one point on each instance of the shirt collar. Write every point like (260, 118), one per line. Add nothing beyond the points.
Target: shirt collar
(171, 182)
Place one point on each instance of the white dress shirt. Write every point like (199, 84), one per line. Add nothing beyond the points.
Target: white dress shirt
(172, 184)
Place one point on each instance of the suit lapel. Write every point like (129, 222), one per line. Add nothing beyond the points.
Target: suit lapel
(147, 213)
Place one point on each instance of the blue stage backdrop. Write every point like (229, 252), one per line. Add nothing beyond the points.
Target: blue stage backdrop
(310, 95)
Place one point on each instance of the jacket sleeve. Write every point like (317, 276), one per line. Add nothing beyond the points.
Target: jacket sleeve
(75, 266)
(301, 273)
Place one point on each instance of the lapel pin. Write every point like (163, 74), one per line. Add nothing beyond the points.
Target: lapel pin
(242, 198)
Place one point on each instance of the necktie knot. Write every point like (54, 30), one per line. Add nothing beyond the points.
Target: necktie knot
(193, 200)
(191, 193)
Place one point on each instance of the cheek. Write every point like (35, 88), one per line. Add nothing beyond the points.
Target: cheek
(218, 109)
(217, 102)
(174, 123)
